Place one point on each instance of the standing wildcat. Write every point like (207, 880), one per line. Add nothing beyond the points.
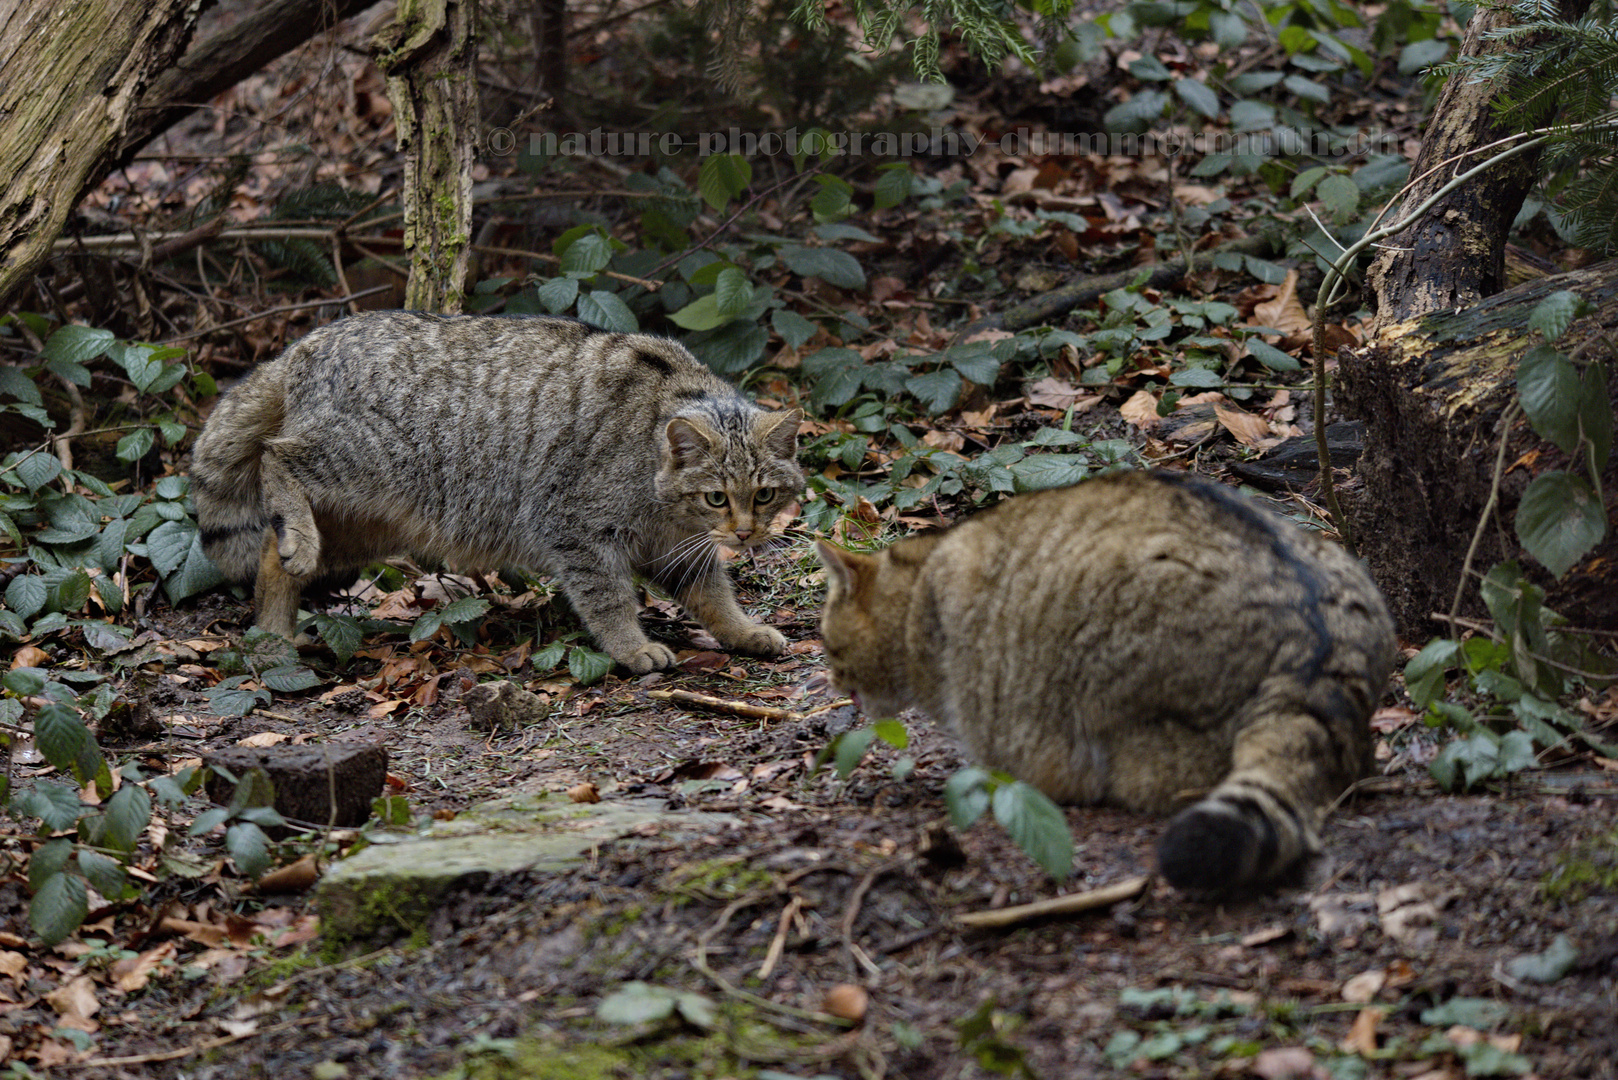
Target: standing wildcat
(1133, 640)
(496, 441)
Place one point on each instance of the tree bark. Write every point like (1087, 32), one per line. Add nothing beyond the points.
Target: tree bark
(1433, 397)
(1455, 255)
(70, 77)
(221, 61)
(429, 56)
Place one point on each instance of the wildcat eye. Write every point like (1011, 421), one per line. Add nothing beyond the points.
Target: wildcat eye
(763, 495)
(715, 499)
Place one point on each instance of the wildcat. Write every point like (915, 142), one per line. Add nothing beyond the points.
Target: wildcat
(497, 441)
(1136, 640)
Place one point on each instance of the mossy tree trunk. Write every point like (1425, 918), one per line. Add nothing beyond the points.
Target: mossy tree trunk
(429, 57)
(70, 78)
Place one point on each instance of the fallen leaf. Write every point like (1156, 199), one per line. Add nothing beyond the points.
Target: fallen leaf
(1285, 313)
(75, 999)
(264, 738)
(1361, 1038)
(13, 963)
(30, 656)
(1266, 935)
(295, 877)
(1284, 1063)
(1140, 409)
(586, 792)
(135, 972)
(1247, 428)
(1409, 912)
(1364, 987)
(1342, 914)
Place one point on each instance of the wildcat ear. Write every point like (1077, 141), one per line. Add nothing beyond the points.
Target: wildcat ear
(844, 569)
(688, 439)
(779, 431)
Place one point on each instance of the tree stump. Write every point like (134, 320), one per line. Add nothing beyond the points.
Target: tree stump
(1432, 393)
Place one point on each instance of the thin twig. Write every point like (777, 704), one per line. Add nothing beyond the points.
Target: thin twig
(274, 311)
(1506, 420)
(1127, 889)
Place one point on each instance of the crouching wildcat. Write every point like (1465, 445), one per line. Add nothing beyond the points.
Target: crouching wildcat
(1133, 640)
(497, 441)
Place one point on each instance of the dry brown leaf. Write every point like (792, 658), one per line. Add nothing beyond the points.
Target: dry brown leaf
(1284, 1063)
(75, 999)
(30, 656)
(295, 877)
(945, 440)
(264, 738)
(1247, 428)
(1409, 912)
(13, 963)
(135, 972)
(1342, 914)
(200, 932)
(586, 792)
(1285, 313)
(1140, 409)
(1361, 1038)
(1266, 935)
(1363, 988)
(1054, 393)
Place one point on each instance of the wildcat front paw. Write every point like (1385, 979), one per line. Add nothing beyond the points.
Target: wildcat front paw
(652, 656)
(757, 640)
(299, 555)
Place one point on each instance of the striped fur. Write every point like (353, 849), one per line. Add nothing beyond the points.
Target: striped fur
(1133, 640)
(496, 441)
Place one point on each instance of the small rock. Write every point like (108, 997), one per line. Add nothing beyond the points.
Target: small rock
(503, 706)
(847, 1002)
(306, 777)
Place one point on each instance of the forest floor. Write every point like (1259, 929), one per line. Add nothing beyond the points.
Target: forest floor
(1441, 936)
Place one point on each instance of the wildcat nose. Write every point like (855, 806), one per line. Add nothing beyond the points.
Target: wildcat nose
(742, 535)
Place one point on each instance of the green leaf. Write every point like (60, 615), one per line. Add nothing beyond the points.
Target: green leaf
(26, 595)
(1340, 195)
(1558, 959)
(1424, 674)
(1549, 387)
(979, 366)
(732, 292)
(1271, 274)
(1560, 520)
(1595, 416)
(606, 310)
(24, 681)
(196, 572)
(1037, 825)
(466, 609)
(849, 748)
(73, 372)
(59, 907)
(291, 678)
(550, 657)
(1554, 314)
(57, 807)
(1307, 89)
(1306, 180)
(1422, 54)
(1516, 752)
(1196, 377)
(78, 343)
(892, 187)
(1036, 472)
(792, 328)
(63, 739)
(833, 200)
(1481, 1014)
(938, 391)
(127, 814)
(558, 294)
(72, 591)
(722, 177)
(828, 264)
(1464, 762)
(37, 469)
(13, 381)
(1270, 356)
(341, 634)
(1198, 96)
(701, 314)
(587, 665)
(966, 794)
(427, 625)
(892, 732)
(587, 255)
(105, 874)
(249, 848)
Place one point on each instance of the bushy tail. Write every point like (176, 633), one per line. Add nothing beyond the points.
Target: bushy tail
(225, 463)
(1307, 744)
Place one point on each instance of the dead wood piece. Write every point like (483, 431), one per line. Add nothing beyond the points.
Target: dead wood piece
(1433, 394)
(1294, 465)
(1106, 896)
(308, 778)
(739, 708)
(1047, 306)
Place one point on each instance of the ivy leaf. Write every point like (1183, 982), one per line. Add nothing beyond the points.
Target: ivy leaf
(59, 907)
(1037, 825)
(587, 665)
(1549, 388)
(1560, 520)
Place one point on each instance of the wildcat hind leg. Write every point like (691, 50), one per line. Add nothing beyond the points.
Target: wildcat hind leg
(291, 552)
(1261, 823)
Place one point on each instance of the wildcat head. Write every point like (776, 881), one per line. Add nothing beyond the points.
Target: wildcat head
(861, 624)
(729, 471)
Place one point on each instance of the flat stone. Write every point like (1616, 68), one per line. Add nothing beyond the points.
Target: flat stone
(399, 879)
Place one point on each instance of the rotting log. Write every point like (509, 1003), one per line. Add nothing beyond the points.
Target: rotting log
(429, 57)
(1433, 393)
(70, 77)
